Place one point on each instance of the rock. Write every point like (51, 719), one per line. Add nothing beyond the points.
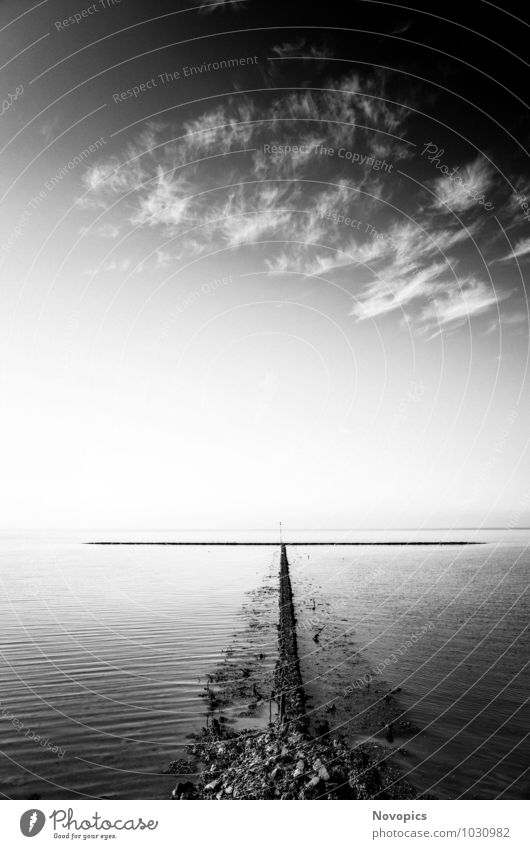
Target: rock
(284, 764)
(184, 789)
(321, 770)
(180, 767)
(322, 728)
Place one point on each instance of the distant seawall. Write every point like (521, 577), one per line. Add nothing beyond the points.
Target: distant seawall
(274, 544)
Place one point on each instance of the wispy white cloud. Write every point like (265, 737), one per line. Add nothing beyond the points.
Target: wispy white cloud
(207, 6)
(163, 259)
(158, 197)
(521, 249)
(204, 193)
(301, 47)
(461, 190)
(388, 293)
(108, 178)
(459, 302)
(164, 202)
(121, 265)
(313, 263)
(514, 320)
(412, 266)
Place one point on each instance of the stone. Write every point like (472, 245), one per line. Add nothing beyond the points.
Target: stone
(183, 789)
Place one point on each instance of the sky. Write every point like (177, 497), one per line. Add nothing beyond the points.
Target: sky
(261, 262)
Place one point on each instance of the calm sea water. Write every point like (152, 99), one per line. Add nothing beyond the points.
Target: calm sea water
(105, 652)
(460, 616)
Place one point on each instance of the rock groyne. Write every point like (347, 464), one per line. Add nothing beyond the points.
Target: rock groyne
(289, 686)
(285, 761)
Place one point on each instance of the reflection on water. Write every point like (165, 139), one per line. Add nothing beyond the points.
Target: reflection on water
(105, 653)
(464, 676)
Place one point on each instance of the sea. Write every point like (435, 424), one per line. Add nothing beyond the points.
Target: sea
(105, 650)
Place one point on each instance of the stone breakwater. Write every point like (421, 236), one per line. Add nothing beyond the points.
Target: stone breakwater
(289, 687)
(283, 764)
(285, 761)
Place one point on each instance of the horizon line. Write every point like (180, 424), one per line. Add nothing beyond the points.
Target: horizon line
(270, 529)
